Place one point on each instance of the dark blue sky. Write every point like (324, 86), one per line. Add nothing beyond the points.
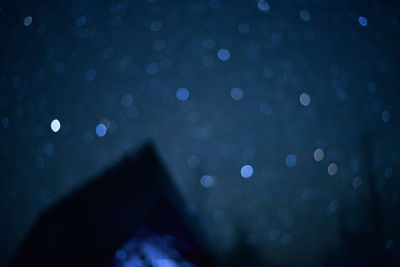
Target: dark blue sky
(259, 110)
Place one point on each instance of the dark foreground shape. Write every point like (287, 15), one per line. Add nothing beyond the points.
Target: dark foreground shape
(89, 226)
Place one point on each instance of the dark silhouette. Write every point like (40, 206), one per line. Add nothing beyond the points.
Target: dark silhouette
(87, 227)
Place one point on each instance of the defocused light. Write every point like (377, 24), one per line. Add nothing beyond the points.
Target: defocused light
(90, 75)
(286, 238)
(305, 15)
(332, 169)
(155, 26)
(385, 116)
(372, 87)
(193, 161)
(101, 130)
(182, 94)
(28, 21)
(263, 5)
(291, 160)
(319, 154)
(5, 122)
(305, 99)
(388, 172)
(274, 234)
(243, 28)
(127, 100)
(80, 21)
(223, 54)
(357, 182)
(389, 244)
(237, 94)
(208, 43)
(152, 68)
(246, 171)
(207, 181)
(363, 21)
(55, 125)
(333, 205)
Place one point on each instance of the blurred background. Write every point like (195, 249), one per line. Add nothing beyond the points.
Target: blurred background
(277, 120)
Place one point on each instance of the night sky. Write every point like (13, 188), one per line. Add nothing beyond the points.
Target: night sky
(278, 121)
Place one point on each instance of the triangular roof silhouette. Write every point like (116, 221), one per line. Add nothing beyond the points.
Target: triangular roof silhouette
(88, 226)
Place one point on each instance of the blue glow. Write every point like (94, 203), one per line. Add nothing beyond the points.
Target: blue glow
(246, 171)
(274, 234)
(372, 87)
(263, 5)
(90, 75)
(208, 43)
(363, 21)
(291, 160)
(101, 130)
(388, 172)
(332, 169)
(182, 94)
(385, 116)
(341, 93)
(223, 54)
(357, 182)
(152, 68)
(305, 15)
(286, 238)
(237, 94)
(80, 21)
(389, 244)
(5, 122)
(28, 21)
(207, 181)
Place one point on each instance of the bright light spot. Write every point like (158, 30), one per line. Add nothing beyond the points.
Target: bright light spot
(182, 94)
(363, 21)
(237, 94)
(291, 160)
(332, 169)
(246, 171)
(263, 5)
(207, 181)
(305, 99)
(319, 154)
(223, 54)
(357, 182)
(386, 116)
(305, 15)
(101, 130)
(27, 21)
(90, 75)
(55, 125)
